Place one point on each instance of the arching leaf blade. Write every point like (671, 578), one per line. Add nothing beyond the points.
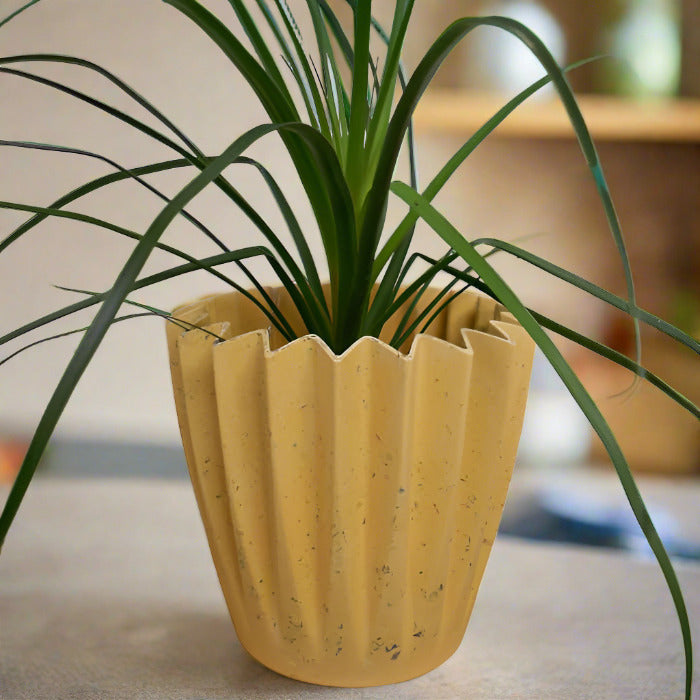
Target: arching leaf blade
(448, 170)
(304, 64)
(124, 87)
(106, 314)
(295, 230)
(300, 75)
(101, 223)
(66, 334)
(260, 46)
(18, 11)
(99, 104)
(618, 358)
(509, 299)
(593, 290)
(208, 263)
(127, 173)
(278, 108)
(87, 188)
(359, 106)
(249, 210)
(421, 78)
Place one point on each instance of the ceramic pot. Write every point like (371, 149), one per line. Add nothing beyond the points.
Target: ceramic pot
(350, 502)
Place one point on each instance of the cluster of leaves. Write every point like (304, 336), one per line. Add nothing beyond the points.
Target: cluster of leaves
(344, 137)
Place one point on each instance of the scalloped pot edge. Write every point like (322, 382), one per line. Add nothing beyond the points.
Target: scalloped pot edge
(350, 502)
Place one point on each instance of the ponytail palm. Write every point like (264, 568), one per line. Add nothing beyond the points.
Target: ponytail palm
(344, 136)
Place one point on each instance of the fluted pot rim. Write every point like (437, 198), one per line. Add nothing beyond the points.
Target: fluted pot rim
(497, 329)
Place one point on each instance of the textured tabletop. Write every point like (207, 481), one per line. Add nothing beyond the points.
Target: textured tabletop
(107, 591)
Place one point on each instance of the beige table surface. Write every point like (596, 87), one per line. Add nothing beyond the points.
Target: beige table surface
(107, 591)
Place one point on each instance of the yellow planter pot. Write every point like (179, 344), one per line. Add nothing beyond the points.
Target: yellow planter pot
(350, 502)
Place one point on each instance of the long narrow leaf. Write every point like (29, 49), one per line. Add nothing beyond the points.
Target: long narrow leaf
(113, 111)
(359, 106)
(448, 170)
(304, 65)
(124, 87)
(442, 306)
(412, 289)
(207, 263)
(440, 49)
(101, 223)
(292, 62)
(250, 211)
(592, 289)
(87, 188)
(304, 146)
(436, 266)
(378, 127)
(260, 46)
(97, 156)
(388, 287)
(347, 51)
(198, 158)
(106, 314)
(334, 89)
(295, 230)
(18, 11)
(265, 87)
(589, 408)
(407, 329)
(619, 359)
(66, 334)
(434, 307)
(193, 158)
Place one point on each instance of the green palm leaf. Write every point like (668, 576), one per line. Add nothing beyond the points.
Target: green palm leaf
(18, 12)
(89, 154)
(440, 49)
(304, 71)
(208, 263)
(278, 319)
(124, 87)
(359, 103)
(76, 331)
(106, 314)
(602, 294)
(510, 300)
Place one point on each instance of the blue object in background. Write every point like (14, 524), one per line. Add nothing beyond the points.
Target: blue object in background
(567, 514)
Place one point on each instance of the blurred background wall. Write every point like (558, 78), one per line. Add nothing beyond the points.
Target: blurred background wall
(511, 187)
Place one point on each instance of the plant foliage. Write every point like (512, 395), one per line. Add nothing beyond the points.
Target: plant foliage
(344, 137)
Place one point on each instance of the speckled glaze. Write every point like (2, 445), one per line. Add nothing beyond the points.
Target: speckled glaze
(350, 502)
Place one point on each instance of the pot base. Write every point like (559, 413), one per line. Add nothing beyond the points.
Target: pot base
(381, 665)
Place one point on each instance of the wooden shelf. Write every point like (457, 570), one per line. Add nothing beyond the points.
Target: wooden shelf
(608, 118)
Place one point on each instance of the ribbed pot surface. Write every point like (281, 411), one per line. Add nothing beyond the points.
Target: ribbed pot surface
(350, 501)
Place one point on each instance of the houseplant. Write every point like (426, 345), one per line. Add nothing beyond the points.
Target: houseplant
(345, 155)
